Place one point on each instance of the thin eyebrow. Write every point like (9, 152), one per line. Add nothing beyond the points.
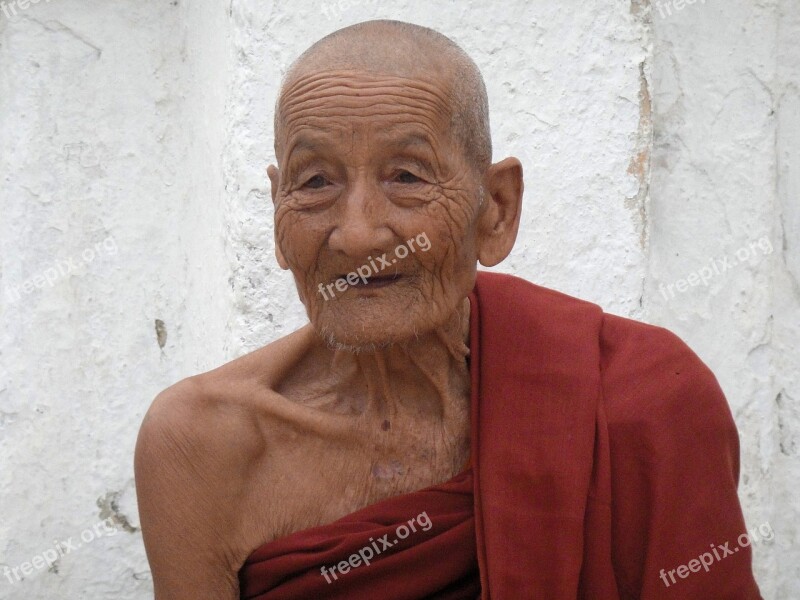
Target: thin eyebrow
(304, 143)
(412, 139)
(302, 153)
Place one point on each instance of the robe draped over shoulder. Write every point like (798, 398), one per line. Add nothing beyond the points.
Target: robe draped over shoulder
(603, 456)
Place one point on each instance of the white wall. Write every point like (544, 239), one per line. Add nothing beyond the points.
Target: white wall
(724, 188)
(145, 127)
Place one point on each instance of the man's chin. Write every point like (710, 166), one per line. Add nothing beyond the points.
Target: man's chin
(363, 335)
(371, 324)
(363, 340)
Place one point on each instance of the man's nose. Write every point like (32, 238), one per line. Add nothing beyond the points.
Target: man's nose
(361, 228)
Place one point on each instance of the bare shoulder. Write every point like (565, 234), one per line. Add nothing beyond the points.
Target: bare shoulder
(225, 404)
(203, 412)
(186, 486)
(199, 446)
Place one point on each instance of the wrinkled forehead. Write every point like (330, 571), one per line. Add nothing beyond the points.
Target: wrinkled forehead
(341, 103)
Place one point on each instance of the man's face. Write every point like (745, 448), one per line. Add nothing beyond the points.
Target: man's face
(373, 187)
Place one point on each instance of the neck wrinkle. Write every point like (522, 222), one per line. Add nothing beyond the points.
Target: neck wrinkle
(388, 375)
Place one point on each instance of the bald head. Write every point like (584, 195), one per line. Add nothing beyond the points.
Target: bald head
(406, 50)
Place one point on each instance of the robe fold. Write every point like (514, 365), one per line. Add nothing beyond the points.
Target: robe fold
(604, 457)
(437, 560)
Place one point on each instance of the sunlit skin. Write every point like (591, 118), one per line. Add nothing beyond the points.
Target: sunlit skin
(372, 398)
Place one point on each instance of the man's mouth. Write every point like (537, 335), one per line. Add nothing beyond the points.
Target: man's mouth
(375, 281)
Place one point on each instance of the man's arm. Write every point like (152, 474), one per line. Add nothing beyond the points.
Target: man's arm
(675, 468)
(190, 462)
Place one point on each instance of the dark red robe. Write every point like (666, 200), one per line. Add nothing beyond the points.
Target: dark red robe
(604, 457)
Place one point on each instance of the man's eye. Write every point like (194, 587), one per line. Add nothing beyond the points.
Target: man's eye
(316, 182)
(406, 177)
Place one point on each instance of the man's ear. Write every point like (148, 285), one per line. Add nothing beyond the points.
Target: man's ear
(274, 175)
(498, 222)
(274, 179)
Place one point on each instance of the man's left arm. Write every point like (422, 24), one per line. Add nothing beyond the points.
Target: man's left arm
(674, 450)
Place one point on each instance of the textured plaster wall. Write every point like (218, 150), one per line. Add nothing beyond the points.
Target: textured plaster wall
(724, 188)
(109, 130)
(141, 131)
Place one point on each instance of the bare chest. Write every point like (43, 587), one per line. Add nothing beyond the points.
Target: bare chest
(313, 480)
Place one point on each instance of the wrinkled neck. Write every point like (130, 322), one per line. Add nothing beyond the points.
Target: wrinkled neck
(426, 377)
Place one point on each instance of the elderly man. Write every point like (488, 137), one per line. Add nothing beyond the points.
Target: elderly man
(433, 432)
